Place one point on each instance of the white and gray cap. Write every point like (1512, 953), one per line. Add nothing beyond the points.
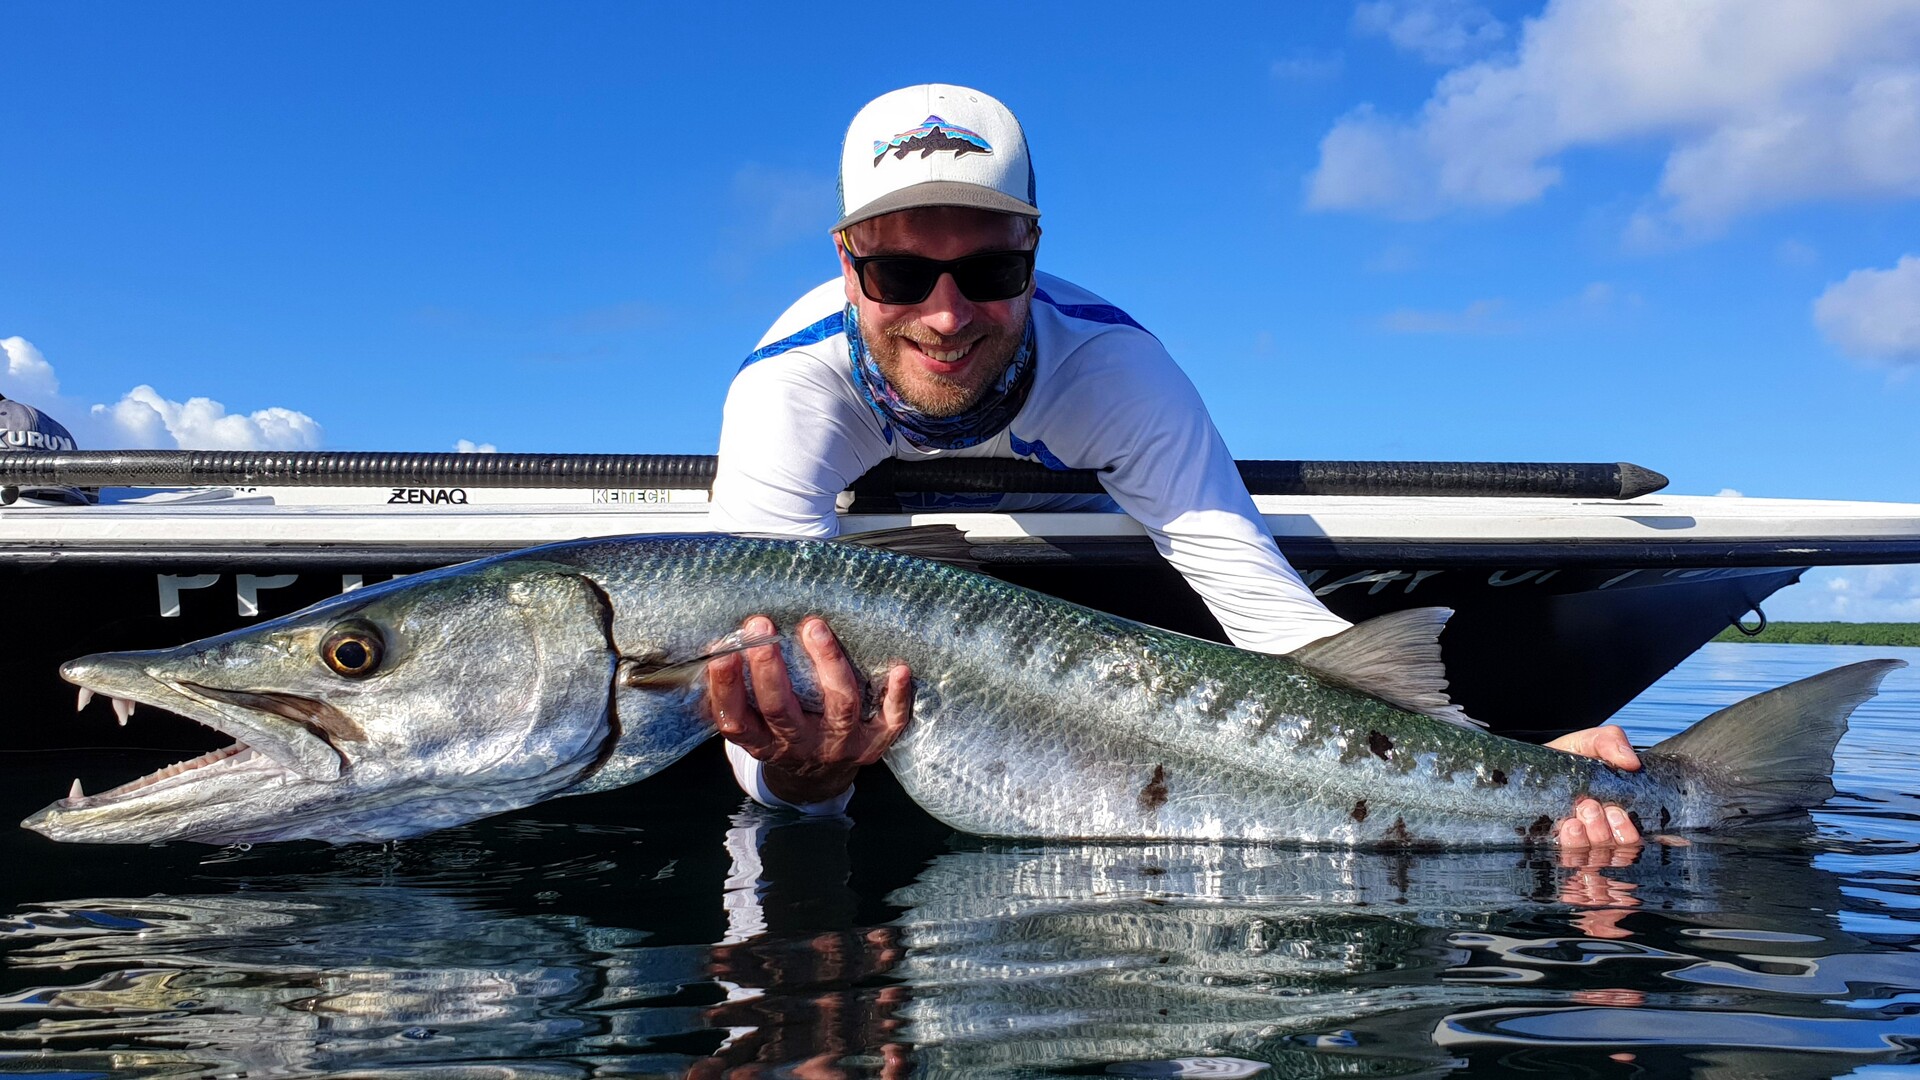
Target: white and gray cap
(25, 428)
(934, 145)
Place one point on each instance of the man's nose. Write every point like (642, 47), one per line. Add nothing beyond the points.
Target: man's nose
(946, 310)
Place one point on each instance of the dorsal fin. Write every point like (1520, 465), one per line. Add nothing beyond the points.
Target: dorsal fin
(1395, 657)
(941, 543)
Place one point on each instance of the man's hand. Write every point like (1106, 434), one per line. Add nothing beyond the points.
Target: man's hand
(1594, 825)
(809, 757)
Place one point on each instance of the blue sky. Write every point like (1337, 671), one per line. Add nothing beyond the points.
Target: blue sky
(1686, 236)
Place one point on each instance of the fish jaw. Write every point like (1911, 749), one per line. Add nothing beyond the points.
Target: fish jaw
(301, 748)
(273, 756)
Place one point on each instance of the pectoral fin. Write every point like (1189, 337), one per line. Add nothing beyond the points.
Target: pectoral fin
(659, 673)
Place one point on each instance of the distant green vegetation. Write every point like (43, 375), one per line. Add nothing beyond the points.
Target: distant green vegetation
(1831, 633)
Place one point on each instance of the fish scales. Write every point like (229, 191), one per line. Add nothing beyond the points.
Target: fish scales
(1035, 717)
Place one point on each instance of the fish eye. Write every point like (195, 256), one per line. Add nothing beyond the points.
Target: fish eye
(353, 650)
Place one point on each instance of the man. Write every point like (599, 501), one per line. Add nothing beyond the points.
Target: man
(28, 430)
(939, 339)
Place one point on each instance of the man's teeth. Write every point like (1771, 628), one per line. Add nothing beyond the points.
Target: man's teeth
(946, 356)
(122, 708)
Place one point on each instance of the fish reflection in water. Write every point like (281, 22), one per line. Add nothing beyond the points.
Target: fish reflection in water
(332, 978)
(1321, 962)
(1023, 960)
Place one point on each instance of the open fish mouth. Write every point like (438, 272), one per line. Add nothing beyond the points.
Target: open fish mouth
(274, 733)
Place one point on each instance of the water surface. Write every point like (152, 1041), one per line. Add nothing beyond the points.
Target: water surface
(670, 930)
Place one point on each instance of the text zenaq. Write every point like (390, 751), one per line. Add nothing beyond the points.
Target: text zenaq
(428, 496)
(34, 440)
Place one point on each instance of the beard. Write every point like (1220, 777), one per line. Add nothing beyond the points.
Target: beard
(934, 394)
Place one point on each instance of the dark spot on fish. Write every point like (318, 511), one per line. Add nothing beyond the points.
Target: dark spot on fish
(1666, 818)
(1360, 810)
(1634, 816)
(1154, 795)
(1154, 900)
(1152, 871)
(1742, 809)
(1164, 960)
(1499, 778)
(1398, 835)
(1542, 826)
(1380, 745)
(1163, 1012)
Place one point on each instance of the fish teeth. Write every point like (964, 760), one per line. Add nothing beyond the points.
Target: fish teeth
(86, 696)
(122, 708)
(75, 793)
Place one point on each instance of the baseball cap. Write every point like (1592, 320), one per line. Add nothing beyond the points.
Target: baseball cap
(934, 145)
(25, 428)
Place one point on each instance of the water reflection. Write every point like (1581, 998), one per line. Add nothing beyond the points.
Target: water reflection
(1157, 959)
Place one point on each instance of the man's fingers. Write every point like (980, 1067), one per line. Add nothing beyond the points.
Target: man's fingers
(839, 684)
(1608, 743)
(896, 708)
(772, 686)
(1594, 825)
(733, 715)
(1621, 826)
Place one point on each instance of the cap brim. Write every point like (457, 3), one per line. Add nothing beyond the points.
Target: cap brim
(939, 193)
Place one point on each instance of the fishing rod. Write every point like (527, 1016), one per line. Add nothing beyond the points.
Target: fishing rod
(334, 468)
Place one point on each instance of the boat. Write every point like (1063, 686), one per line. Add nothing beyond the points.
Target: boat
(1574, 586)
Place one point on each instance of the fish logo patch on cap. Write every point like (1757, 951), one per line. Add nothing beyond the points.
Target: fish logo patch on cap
(932, 134)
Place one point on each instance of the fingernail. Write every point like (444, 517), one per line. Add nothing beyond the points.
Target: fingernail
(817, 632)
(759, 625)
(1617, 820)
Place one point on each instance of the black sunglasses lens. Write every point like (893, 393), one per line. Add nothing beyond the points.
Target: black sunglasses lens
(1001, 275)
(899, 281)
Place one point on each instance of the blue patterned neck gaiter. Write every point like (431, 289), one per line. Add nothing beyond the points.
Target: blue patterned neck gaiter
(987, 418)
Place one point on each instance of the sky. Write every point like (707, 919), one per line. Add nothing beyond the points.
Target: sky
(1681, 235)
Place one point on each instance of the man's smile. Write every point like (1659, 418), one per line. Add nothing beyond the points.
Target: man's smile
(944, 361)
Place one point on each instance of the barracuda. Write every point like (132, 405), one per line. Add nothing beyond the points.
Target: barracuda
(440, 698)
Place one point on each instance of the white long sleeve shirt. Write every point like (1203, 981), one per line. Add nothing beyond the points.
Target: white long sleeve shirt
(1106, 396)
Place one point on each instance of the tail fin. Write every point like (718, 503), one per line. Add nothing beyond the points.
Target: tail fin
(1774, 750)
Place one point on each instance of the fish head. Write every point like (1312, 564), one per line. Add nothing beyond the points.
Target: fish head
(413, 705)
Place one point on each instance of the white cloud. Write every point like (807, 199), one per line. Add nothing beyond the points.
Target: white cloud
(1438, 31)
(27, 376)
(1760, 105)
(1730, 493)
(1479, 317)
(1874, 314)
(1850, 594)
(143, 418)
(468, 446)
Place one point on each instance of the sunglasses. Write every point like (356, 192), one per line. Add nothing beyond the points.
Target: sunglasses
(909, 279)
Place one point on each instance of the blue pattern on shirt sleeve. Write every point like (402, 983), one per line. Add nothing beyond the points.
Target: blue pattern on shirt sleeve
(1100, 313)
(1036, 450)
(835, 323)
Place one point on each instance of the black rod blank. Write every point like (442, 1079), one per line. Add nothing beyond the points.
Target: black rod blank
(327, 468)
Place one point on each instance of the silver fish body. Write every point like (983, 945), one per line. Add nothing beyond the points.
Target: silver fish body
(576, 667)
